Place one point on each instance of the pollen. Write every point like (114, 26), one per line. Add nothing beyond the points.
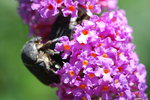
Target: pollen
(67, 47)
(104, 55)
(117, 34)
(106, 71)
(93, 55)
(91, 75)
(120, 69)
(93, 27)
(90, 7)
(58, 1)
(82, 86)
(85, 32)
(119, 54)
(82, 43)
(77, 54)
(71, 8)
(50, 7)
(85, 62)
(105, 88)
(83, 98)
(100, 44)
(101, 36)
(116, 81)
(121, 93)
(72, 73)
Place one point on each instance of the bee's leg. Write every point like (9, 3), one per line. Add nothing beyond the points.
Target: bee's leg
(38, 62)
(54, 57)
(48, 45)
(72, 23)
(56, 60)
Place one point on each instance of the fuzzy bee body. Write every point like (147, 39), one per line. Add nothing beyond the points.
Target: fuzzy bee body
(39, 62)
(40, 58)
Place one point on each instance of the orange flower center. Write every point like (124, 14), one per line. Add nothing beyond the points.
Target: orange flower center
(93, 55)
(85, 62)
(90, 7)
(121, 93)
(82, 43)
(101, 36)
(116, 81)
(83, 98)
(100, 44)
(119, 53)
(91, 75)
(82, 86)
(67, 47)
(120, 69)
(85, 32)
(71, 8)
(105, 55)
(71, 73)
(105, 88)
(77, 54)
(50, 7)
(58, 1)
(117, 34)
(106, 71)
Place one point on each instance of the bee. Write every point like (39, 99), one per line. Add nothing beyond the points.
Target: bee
(40, 58)
(82, 15)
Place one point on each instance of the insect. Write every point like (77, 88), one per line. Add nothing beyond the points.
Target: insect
(82, 15)
(41, 60)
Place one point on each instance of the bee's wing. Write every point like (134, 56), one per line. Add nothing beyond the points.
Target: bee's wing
(63, 26)
(47, 77)
(60, 27)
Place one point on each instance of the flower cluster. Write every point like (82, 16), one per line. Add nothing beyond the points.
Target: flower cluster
(108, 4)
(52, 7)
(40, 15)
(102, 62)
(38, 26)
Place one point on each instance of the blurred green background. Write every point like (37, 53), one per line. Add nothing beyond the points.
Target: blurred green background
(17, 83)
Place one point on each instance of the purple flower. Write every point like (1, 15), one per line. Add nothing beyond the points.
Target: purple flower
(102, 63)
(70, 8)
(108, 4)
(38, 26)
(92, 7)
(46, 8)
